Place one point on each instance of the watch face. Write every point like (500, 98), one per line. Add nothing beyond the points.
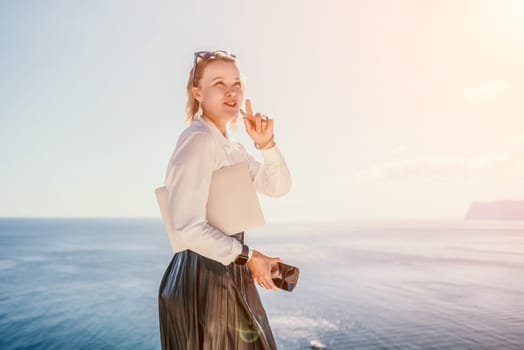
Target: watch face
(241, 260)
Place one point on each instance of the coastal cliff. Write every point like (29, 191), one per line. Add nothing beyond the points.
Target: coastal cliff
(496, 210)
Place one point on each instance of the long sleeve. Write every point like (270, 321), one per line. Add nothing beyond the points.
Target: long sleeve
(272, 177)
(188, 180)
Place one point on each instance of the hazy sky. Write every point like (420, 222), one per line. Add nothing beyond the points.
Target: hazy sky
(383, 109)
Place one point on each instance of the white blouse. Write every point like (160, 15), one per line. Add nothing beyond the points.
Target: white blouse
(200, 150)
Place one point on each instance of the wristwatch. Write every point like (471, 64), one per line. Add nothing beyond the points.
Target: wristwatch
(243, 256)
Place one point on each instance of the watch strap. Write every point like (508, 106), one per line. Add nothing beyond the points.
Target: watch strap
(243, 257)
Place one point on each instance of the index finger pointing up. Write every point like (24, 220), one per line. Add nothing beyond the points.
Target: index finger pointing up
(249, 110)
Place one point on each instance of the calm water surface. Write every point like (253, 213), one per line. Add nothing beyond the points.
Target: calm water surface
(93, 284)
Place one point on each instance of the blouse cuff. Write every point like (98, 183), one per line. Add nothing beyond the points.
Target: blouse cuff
(237, 249)
(271, 154)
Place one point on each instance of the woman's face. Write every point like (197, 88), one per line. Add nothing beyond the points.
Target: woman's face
(220, 91)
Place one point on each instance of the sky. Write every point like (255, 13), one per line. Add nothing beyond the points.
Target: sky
(382, 109)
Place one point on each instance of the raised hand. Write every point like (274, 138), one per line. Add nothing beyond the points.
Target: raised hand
(259, 126)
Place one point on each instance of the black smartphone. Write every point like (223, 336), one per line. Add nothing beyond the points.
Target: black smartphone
(285, 276)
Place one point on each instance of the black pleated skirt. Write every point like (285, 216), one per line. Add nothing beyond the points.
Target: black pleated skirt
(204, 304)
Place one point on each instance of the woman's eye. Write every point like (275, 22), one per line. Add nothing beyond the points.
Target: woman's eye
(219, 83)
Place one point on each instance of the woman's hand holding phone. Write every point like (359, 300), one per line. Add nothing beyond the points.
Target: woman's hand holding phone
(260, 266)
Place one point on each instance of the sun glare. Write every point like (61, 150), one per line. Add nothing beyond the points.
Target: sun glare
(508, 15)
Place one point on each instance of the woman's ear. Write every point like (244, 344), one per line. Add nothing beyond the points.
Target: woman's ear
(197, 94)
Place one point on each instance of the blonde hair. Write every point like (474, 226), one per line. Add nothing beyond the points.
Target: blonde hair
(192, 105)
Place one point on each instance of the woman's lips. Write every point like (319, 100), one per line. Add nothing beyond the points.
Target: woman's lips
(231, 104)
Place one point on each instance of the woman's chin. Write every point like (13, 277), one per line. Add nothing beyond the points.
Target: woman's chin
(229, 115)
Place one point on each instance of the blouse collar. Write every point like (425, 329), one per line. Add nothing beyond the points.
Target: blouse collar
(217, 134)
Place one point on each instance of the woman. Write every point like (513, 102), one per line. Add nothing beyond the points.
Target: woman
(207, 297)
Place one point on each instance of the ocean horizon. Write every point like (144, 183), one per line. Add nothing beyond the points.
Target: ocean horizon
(92, 283)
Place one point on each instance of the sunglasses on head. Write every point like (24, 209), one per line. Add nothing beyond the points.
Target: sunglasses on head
(207, 55)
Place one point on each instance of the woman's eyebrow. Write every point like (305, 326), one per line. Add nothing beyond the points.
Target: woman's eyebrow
(216, 78)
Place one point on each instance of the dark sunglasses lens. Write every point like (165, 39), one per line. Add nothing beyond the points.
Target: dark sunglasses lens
(208, 54)
(204, 54)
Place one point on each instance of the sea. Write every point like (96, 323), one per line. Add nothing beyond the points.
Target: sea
(87, 283)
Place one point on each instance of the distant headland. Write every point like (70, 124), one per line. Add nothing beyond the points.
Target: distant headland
(496, 210)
